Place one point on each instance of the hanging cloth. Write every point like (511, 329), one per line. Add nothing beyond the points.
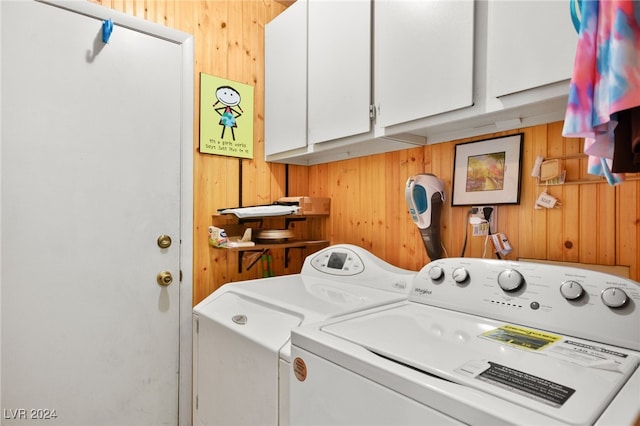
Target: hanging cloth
(626, 154)
(606, 77)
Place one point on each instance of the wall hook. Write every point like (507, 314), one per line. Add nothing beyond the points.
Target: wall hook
(107, 29)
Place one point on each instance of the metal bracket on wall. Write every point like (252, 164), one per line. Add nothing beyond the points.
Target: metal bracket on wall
(260, 251)
(260, 220)
(286, 254)
(244, 220)
(253, 261)
(288, 220)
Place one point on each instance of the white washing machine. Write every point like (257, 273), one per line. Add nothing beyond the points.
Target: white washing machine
(242, 331)
(478, 342)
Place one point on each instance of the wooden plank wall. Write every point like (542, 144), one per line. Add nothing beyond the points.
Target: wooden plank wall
(596, 223)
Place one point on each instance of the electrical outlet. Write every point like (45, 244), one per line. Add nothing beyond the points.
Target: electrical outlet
(481, 216)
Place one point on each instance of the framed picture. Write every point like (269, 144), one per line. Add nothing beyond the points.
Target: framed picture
(488, 171)
(226, 117)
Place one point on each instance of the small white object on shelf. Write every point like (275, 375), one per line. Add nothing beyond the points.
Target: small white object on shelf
(244, 241)
(261, 211)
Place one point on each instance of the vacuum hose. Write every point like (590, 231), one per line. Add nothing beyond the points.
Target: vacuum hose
(431, 235)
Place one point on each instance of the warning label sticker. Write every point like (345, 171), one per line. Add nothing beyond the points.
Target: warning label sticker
(526, 384)
(534, 387)
(521, 337)
(593, 356)
(586, 354)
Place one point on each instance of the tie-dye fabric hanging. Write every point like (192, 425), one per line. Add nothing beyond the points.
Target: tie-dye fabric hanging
(606, 78)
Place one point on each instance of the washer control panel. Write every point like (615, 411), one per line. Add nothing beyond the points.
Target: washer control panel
(574, 301)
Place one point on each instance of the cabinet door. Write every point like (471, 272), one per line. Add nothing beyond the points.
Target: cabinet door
(423, 58)
(285, 122)
(529, 44)
(339, 74)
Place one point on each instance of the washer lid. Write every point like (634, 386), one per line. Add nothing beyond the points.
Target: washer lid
(568, 379)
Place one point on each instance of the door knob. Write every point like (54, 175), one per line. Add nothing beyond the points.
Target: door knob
(164, 241)
(164, 278)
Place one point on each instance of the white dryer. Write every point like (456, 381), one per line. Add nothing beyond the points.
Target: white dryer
(242, 331)
(478, 342)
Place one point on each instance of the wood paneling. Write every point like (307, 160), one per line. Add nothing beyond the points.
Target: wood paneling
(595, 224)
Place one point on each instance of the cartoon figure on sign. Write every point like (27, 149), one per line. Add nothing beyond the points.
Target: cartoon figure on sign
(229, 98)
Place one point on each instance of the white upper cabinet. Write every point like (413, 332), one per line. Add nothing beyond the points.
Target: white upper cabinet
(530, 44)
(339, 73)
(285, 122)
(317, 76)
(432, 70)
(424, 53)
(522, 64)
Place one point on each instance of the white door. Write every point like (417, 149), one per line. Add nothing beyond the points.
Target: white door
(90, 156)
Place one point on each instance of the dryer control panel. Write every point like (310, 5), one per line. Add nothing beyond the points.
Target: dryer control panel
(572, 301)
(338, 262)
(357, 266)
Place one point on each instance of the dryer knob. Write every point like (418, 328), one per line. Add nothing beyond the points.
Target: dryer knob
(460, 275)
(436, 272)
(571, 290)
(510, 280)
(614, 297)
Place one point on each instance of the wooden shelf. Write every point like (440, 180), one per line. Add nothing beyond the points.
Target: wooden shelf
(594, 179)
(288, 244)
(236, 226)
(587, 181)
(263, 248)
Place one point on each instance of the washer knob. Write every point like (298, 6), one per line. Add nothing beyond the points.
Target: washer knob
(614, 297)
(510, 280)
(571, 290)
(436, 272)
(460, 275)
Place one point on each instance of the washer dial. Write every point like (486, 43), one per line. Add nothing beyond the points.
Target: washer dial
(460, 275)
(436, 272)
(571, 290)
(614, 297)
(510, 280)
